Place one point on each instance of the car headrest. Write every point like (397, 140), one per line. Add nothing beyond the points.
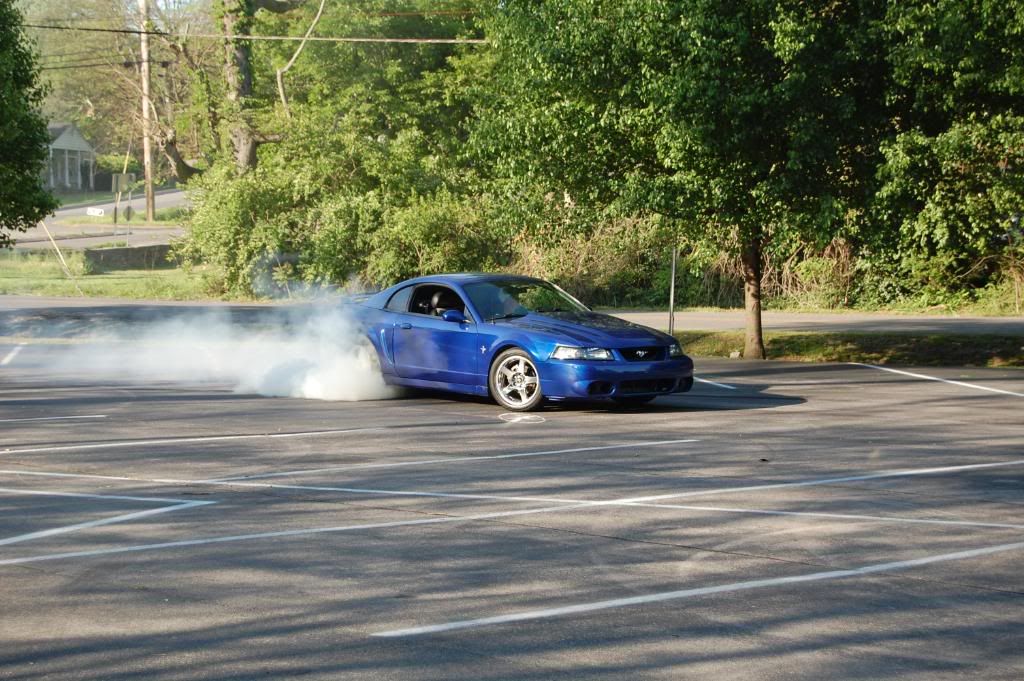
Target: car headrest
(446, 300)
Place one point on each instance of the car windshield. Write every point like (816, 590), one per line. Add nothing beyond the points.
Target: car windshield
(503, 299)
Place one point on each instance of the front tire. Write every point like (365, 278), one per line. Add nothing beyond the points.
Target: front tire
(514, 381)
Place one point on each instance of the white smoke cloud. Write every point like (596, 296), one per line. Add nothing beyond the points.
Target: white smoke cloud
(315, 352)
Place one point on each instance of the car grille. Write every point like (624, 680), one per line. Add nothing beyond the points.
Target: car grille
(645, 354)
(660, 385)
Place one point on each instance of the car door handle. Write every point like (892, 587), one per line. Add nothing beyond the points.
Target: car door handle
(405, 325)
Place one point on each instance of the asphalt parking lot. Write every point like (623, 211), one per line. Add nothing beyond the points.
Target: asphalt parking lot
(781, 521)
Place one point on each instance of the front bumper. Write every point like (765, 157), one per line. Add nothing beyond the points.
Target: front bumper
(561, 380)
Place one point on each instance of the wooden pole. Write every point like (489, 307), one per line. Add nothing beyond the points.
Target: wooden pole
(147, 132)
(672, 295)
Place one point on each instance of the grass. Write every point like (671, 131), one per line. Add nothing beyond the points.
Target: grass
(41, 275)
(72, 199)
(869, 348)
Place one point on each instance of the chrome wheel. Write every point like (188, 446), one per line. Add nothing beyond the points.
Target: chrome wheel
(515, 383)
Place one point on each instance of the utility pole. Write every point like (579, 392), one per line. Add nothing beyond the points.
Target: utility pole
(672, 293)
(147, 130)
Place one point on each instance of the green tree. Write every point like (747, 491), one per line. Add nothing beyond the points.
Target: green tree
(358, 179)
(744, 122)
(23, 135)
(952, 179)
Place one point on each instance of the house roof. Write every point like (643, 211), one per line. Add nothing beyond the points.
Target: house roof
(68, 136)
(57, 129)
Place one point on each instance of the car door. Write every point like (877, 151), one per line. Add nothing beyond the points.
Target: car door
(428, 348)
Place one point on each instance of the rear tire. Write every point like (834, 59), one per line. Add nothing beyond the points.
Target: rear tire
(514, 381)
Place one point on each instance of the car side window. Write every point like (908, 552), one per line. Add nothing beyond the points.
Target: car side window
(399, 301)
(433, 300)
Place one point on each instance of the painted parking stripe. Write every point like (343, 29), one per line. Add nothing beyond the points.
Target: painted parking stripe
(714, 383)
(55, 418)
(680, 594)
(81, 495)
(102, 522)
(564, 505)
(281, 533)
(9, 357)
(184, 440)
(835, 516)
(828, 481)
(454, 460)
(627, 501)
(925, 377)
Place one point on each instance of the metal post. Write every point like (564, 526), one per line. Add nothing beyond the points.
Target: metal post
(672, 295)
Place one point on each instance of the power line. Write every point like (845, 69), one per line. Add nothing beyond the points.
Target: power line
(126, 64)
(62, 55)
(289, 38)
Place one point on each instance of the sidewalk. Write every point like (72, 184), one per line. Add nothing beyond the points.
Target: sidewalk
(862, 322)
(727, 320)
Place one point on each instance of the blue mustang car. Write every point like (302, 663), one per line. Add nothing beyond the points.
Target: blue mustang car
(518, 339)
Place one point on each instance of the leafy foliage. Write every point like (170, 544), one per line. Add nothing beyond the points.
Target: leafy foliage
(23, 135)
(837, 153)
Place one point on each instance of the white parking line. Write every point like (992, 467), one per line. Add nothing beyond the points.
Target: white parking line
(80, 495)
(836, 516)
(281, 533)
(626, 501)
(9, 357)
(451, 460)
(54, 418)
(564, 505)
(104, 521)
(183, 440)
(693, 593)
(717, 385)
(941, 380)
(828, 481)
(176, 505)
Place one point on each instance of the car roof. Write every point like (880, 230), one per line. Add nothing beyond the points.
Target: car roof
(469, 277)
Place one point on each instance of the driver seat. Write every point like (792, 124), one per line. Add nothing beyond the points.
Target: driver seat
(446, 299)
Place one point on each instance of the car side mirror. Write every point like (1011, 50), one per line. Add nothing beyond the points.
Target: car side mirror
(454, 316)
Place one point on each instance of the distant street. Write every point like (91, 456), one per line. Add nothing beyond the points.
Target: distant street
(13, 307)
(164, 199)
(73, 236)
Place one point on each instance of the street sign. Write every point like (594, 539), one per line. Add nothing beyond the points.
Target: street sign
(95, 212)
(121, 182)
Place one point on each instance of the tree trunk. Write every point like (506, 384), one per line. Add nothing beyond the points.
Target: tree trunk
(236, 20)
(753, 346)
(182, 170)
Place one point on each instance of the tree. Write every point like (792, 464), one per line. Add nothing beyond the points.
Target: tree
(359, 178)
(24, 139)
(745, 122)
(953, 170)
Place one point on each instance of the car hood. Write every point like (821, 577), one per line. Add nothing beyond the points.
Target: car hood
(589, 329)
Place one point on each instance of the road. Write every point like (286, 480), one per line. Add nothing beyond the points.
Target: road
(72, 236)
(787, 521)
(164, 199)
(113, 309)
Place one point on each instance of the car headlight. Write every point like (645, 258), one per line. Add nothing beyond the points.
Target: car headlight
(674, 350)
(569, 352)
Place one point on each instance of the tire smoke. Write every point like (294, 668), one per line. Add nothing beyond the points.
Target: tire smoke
(314, 352)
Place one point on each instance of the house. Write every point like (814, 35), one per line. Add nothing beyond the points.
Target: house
(72, 159)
